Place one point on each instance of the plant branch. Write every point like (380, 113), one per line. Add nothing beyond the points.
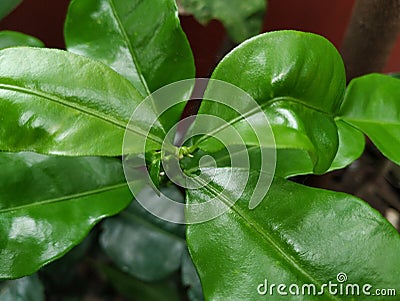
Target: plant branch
(372, 32)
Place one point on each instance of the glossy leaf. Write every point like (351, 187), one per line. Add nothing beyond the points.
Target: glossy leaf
(298, 80)
(351, 145)
(142, 40)
(65, 104)
(242, 19)
(13, 38)
(7, 6)
(297, 235)
(143, 245)
(23, 289)
(49, 204)
(134, 289)
(372, 105)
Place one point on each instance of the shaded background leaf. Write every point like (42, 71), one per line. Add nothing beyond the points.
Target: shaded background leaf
(142, 244)
(242, 19)
(7, 6)
(137, 290)
(12, 38)
(372, 105)
(351, 145)
(64, 275)
(23, 289)
(191, 279)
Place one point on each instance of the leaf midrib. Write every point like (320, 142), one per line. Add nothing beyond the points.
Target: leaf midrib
(257, 110)
(135, 60)
(128, 44)
(264, 235)
(96, 114)
(66, 198)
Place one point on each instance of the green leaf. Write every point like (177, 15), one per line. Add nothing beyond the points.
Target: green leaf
(242, 19)
(134, 289)
(13, 39)
(23, 289)
(372, 105)
(128, 238)
(55, 102)
(351, 145)
(298, 80)
(142, 40)
(297, 235)
(304, 138)
(7, 6)
(154, 167)
(49, 204)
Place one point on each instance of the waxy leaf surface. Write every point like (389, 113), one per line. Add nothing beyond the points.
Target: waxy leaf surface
(298, 80)
(372, 105)
(297, 235)
(49, 204)
(55, 102)
(12, 39)
(142, 40)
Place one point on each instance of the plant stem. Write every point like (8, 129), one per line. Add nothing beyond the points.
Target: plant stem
(370, 36)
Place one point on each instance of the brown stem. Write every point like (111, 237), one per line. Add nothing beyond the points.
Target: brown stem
(370, 36)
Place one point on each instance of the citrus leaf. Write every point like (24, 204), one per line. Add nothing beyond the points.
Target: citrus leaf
(13, 39)
(142, 40)
(49, 204)
(7, 6)
(372, 105)
(297, 235)
(242, 19)
(351, 145)
(298, 80)
(128, 238)
(65, 104)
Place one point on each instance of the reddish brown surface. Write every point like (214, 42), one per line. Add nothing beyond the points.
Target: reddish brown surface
(327, 18)
(205, 42)
(393, 64)
(44, 19)
(41, 18)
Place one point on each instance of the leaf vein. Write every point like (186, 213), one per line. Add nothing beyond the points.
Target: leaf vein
(65, 198)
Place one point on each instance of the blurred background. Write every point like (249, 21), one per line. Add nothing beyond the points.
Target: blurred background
(44, 19)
